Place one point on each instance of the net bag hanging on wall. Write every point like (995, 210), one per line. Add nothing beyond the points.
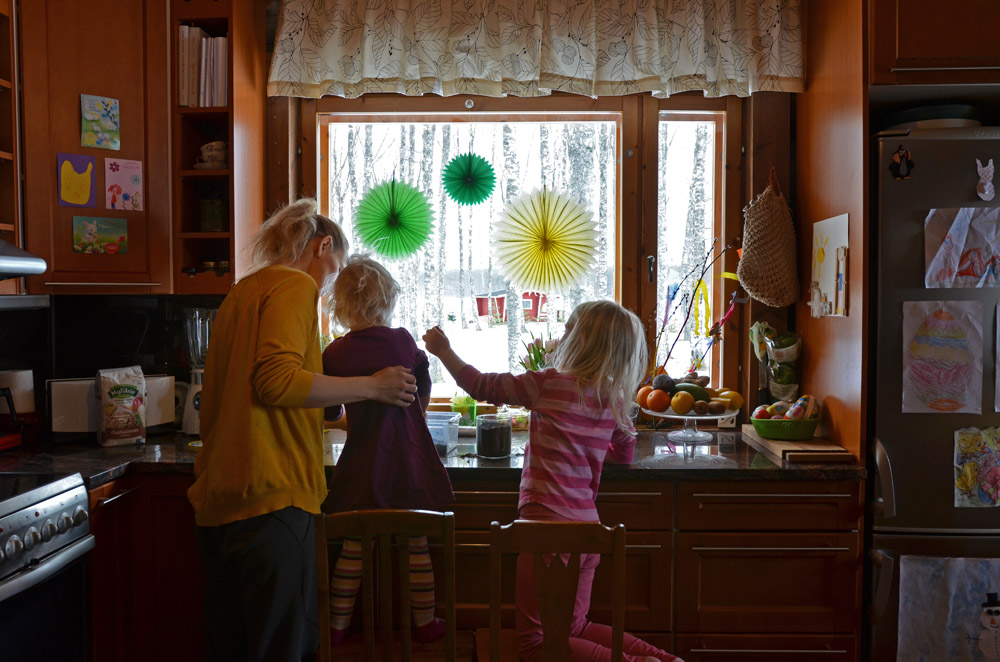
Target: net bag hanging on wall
(768, 270)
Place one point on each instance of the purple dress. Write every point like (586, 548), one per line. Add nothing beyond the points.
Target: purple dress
(389, 459)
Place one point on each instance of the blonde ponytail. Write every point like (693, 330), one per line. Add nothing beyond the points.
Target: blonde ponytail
(283, 237)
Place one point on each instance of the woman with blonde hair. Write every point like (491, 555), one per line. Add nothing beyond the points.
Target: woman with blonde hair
(259, 478)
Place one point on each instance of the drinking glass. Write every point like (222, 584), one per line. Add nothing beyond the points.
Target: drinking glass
(493, 436)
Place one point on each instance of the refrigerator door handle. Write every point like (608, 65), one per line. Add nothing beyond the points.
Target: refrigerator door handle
(885, 504)
(887, 569)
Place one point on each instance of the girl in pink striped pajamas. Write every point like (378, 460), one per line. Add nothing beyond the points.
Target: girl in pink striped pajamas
(579, 416)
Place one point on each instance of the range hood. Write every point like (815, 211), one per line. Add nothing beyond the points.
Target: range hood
(15, 262)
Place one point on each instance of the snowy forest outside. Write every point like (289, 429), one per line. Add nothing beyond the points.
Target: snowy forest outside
(453, 280)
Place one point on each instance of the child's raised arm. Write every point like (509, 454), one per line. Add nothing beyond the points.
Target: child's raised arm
(437, 343)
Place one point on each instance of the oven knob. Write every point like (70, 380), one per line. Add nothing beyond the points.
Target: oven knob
(80, 516)
(32, 538)
(14, 547)
(65, 522)
(49, 530)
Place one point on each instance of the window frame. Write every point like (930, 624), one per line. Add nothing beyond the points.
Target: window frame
(636, 235)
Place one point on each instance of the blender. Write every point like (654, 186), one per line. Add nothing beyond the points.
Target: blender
(197, 327)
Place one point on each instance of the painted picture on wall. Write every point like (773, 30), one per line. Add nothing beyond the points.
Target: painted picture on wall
(77, 175)
(942, 357)
(101, 236)
(100, 122)
(123, 184)
(828, 285)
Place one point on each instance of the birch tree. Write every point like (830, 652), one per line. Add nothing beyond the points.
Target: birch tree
(694, 227)
(513, 300)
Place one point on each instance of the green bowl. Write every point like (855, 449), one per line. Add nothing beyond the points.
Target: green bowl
(785, 429)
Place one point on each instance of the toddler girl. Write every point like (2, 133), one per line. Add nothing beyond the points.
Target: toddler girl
(389, 460)
(579, 416)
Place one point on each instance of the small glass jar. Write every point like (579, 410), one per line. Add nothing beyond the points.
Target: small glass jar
(493, 432)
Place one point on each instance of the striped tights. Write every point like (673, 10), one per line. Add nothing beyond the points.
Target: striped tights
(346, 581)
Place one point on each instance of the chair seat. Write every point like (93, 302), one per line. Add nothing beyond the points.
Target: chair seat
(508, 645)
(353, 649)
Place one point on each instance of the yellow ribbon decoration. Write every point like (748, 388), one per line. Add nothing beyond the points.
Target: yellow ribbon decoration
(701, 295)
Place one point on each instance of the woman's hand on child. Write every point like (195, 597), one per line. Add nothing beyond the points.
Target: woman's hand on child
(394, 386)
(435, 341)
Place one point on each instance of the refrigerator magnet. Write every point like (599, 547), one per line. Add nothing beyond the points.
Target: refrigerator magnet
(901, 163)
(984, 189)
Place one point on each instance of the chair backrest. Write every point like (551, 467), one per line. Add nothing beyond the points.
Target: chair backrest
(556, 582)
(378, 527)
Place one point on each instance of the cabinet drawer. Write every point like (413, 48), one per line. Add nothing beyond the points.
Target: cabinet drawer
(757, 648)
(768, 506)
(639, 506)
(768, 582)
(647, 576)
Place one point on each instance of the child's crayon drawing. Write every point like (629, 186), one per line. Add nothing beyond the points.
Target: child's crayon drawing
(977, 468)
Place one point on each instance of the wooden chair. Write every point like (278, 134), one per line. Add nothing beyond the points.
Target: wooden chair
(555, 582)
(380, 526)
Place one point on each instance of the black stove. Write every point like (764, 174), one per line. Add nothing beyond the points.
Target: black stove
(42, 518)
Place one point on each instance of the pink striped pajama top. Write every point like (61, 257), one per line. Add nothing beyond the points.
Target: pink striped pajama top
(568, 440)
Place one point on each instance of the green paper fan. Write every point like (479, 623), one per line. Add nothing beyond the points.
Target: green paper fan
(545, 241)
(394, 219)
(469, 179)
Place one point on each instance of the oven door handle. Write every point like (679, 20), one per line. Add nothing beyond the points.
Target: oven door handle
(34, 575)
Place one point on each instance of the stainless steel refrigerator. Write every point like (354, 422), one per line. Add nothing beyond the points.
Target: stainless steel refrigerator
(913, 512)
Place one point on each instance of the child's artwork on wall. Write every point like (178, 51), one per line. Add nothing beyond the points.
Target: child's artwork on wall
(947, 609)
(977, 474)
(942, 357)
(100, 122)
(105, 236)
(123, 184)
(962, 247)
(828, 285)
(77, 175)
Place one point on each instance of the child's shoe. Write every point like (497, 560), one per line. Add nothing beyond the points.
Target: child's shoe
(338, 636)
(429, 632)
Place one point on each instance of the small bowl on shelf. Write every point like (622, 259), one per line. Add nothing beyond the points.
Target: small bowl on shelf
(784, 429)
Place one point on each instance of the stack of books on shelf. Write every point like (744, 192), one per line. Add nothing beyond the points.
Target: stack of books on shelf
(201, 68)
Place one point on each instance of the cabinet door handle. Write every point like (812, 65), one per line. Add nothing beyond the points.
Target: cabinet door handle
(109, 500)
(771, 549)
(472, 492)
(772, 651)
(103, 284)
(652, 495)
(772, 496)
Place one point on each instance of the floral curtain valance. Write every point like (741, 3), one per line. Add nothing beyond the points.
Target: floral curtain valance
(530, 47)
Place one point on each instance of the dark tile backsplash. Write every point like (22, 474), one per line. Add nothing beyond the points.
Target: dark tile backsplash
(78, 335)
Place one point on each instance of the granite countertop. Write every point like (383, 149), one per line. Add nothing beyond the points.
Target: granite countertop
(728, 457)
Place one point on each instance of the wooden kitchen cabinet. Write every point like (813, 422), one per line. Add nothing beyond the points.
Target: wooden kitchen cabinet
(107, 48)
(147, 581)
(10, 182)
(770, 561)
(112, 570)
(933, 42)
(216, 211)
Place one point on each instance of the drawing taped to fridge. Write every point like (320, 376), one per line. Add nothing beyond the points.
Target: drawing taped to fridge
(962, 247)
(943, 356)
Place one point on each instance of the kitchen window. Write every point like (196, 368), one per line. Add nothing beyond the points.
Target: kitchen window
(650, 171)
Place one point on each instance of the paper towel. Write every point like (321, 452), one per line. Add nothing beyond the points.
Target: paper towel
(22, 389)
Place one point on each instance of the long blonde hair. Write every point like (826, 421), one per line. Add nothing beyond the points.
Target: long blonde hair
(284, 236)
(604, 348)
(364, 293)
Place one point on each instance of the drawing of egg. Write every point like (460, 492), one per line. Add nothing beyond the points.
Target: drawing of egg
(941, 367)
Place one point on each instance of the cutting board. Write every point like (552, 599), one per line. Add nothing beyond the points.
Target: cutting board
(816, 449)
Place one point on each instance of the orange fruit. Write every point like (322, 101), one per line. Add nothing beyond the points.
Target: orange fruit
(658, 400)
(641, 396)
(682, 402)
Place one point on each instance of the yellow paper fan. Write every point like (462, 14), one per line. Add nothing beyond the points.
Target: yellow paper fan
(544, 241)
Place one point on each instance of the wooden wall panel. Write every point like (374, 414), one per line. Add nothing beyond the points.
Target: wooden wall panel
(831, 153)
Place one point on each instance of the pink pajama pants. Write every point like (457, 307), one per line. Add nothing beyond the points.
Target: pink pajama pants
(589, 642)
